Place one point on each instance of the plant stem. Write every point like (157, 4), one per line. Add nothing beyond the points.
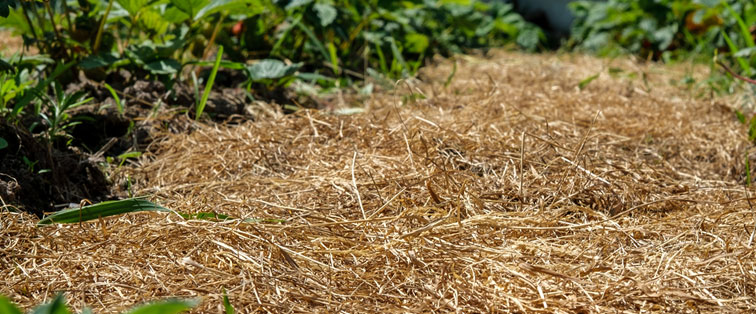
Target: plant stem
(100, 28)
(55, 28)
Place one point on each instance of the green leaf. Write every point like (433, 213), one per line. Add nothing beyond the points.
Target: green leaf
(271, 69)
(4, 65)
(99, 60)
(326, 12)
(5, 6)
(117, 99)
(190, 7)
(6, 306)
(104, 209)
(3, 143)
(227, 303)
(165, 307)
(209, 85)
(297, 3)
(229, 5)
(165, 66)
(587, 81)
(57, 306)
(416, 43)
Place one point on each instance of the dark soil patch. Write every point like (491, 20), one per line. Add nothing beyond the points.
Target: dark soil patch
(34, 178)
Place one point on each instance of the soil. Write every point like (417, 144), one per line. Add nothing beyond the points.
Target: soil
(56, 176)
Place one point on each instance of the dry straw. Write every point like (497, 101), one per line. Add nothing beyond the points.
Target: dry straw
(511, 190)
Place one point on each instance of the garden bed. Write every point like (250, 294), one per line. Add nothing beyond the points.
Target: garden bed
(513, 185)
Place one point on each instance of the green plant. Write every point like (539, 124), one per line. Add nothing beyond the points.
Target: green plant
(104, 209)
(200, 106)
(56, 115)
(664, 29)
(58, 306)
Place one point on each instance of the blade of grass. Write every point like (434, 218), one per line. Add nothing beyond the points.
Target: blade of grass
(587, 81)
(227, 304)
(451, 75)
(104, 209)
(209, 85)
(117, 99)
(734, 49)
(742, 25)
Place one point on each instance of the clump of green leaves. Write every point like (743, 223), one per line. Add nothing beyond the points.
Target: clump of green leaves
(660, 30)
(58, 306)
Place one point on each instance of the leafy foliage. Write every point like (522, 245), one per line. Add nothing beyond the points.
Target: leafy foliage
(58, 306)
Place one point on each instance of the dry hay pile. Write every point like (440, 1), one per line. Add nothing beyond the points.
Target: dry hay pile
(510, 190)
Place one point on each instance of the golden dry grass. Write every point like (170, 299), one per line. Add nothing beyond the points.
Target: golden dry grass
(509, 191)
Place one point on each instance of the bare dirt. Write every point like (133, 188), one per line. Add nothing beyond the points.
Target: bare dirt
(509, 190)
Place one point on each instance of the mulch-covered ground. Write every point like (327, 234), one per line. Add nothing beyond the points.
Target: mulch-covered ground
(509, 190)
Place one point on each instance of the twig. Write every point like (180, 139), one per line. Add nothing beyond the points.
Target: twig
(738, 76)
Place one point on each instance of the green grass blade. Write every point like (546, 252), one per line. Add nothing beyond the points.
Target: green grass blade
(744, 31)
(165, 307)
(734, 49)
(451, 75)
(227, 303)
(209, 85)
(117, 99)
(6, 306)
(104, 209)
(587, 81)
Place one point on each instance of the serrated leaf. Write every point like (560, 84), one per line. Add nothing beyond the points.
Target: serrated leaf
(271, 69)
(104, 209)
(326, 12)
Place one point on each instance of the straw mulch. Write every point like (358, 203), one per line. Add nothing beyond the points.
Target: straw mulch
(510, 190)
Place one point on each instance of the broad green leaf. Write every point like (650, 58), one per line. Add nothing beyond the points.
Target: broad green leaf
(416, 43)
(326, 12)
(190, 7)
(297, 3)
(3, 143)
(165, 66)
(227, 5)
(7, 307)
(271, 69)
(104, 209)
(99, 60)
(133, 6)
(57, 306)
(165, 307)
